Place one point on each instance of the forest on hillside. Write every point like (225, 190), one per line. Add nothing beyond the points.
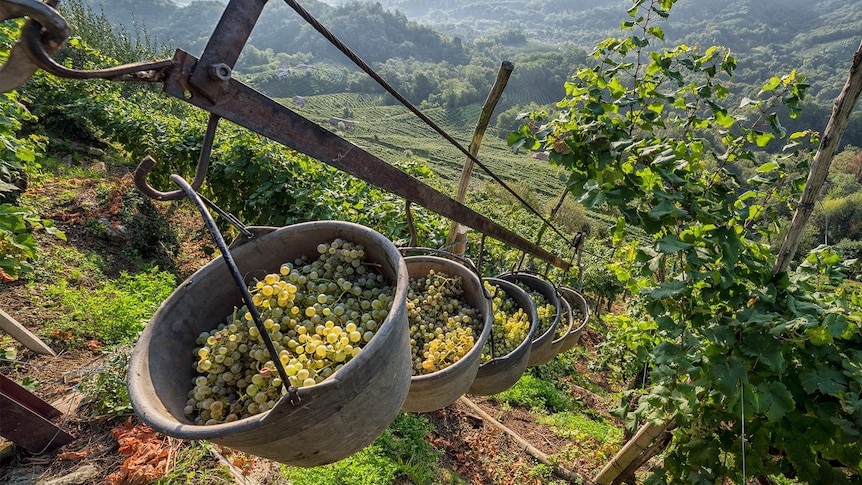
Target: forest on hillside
(446, 53)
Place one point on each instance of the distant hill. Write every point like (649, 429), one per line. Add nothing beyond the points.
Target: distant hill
(767, 36)
(463, 41)
(373, 32)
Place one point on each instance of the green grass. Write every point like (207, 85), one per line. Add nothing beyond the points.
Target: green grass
(402, 451)
(538, 395)
(578, 426)
(114, 312)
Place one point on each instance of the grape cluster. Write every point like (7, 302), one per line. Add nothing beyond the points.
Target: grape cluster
(511, 324)
(577, 315)
(318, 315)
(544, 310)
(443, 325)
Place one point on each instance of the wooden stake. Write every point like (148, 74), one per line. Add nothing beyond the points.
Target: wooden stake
(841, 111)
(560, 471)
(630, 452)
(503, 74)
(21, 334)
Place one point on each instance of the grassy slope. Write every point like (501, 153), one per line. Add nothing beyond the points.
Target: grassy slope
(393, 133)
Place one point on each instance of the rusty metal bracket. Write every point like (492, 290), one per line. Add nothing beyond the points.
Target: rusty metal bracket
(208, 84)
(246, 107)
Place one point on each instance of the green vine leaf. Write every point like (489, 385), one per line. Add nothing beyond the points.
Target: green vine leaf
(823, 379)
(774, 400)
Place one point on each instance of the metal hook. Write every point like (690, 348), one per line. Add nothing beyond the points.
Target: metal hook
(150, 71)
(203, 164)
(40, 39)
(240, 283)
(20, 65)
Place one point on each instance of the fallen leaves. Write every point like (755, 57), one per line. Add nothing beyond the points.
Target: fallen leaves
(148, 454)
(94, 344)
(75, 455)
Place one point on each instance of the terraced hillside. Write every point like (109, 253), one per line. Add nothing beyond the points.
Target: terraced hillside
(393, 133)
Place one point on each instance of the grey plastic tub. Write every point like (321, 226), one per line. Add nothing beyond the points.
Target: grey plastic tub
(437, 390)
(335, 418)
(579, 305)
(543, 348)
(564, 329)
(503, 372)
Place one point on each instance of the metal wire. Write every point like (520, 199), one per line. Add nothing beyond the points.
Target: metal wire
(335, 41)
(246, 296)
(742, 421)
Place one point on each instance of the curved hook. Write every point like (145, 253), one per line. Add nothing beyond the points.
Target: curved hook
(42, 57)
(203, 164)
(40, 39)
(21, 65)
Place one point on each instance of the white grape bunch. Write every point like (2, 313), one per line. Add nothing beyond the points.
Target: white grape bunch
(511, 324)
(544, 310)
(443, 325)
(318, 314)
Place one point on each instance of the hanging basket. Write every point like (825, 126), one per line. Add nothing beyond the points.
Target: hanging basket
(564, 329)
(580, 316)
(439, 389)
(332, 419)
(501, 373)
(543, 347)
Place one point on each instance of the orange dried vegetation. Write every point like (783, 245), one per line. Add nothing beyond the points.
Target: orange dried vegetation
(148, 454)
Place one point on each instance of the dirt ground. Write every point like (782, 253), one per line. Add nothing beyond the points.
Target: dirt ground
(475, 449)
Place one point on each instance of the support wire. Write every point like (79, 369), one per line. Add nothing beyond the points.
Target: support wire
(335, 41)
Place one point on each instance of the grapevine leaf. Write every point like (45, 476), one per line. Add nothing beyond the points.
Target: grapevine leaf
(762, 138)
(823, 379)
(727, 375)
(665, 208)
(774, 400)
(779, 130)
(723, 119)
(767, 167)
(765, 349)
(668, 289)
(819, 336)
(836, 324)
(671, 244)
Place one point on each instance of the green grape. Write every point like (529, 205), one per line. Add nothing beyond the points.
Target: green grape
(443, 326)
(314, 314)
(544, 310)
(511, 324)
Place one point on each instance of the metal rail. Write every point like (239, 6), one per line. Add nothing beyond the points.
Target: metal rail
(208, 84)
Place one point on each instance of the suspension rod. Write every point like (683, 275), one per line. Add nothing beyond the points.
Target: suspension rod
(246, 107)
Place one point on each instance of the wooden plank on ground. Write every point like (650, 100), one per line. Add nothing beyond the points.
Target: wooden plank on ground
(28, 426)
(21, 334)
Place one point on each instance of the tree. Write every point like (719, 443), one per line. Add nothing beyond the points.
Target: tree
(746, 359)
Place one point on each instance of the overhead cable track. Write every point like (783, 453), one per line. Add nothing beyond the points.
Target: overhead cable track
(208, 84)
(335, 41)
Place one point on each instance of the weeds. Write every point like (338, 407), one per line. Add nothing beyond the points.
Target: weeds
(107, 387)
(579, 426)
(401, 451)
(540, 396)
(114, 312)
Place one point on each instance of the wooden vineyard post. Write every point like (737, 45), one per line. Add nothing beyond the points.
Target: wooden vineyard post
(841, 111)
(456, 239)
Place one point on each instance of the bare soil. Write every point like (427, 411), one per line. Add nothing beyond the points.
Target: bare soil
(474, 449)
